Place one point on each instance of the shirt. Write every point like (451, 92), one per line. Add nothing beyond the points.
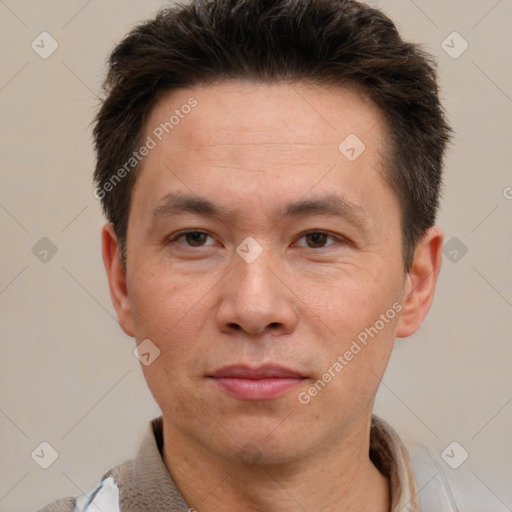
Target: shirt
(143, 484)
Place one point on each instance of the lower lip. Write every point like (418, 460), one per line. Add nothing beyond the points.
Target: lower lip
(257, 389)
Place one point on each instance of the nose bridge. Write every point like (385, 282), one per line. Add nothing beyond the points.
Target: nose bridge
(255, 299)
(255, 282)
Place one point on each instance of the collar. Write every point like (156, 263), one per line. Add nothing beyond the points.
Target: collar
(390, 456)
(147, 485)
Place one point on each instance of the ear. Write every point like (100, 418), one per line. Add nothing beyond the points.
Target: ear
(421, 282)
(116, 278)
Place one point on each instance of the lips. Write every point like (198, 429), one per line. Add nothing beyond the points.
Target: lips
(262, 383)
(266, 371)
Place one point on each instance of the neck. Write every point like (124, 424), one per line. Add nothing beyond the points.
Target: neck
(339, 477)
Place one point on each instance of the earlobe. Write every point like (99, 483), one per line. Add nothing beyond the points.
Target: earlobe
(116, 278)
(421, 282)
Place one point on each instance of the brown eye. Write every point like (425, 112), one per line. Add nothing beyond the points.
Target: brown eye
(315, 240)
(195, 238)
(318, 240)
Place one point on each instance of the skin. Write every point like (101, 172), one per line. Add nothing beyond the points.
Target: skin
(254, 148)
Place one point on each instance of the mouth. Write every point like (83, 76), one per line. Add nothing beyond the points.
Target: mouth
(262, 383)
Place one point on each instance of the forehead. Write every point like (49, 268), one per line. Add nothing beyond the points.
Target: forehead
(247, 112)
(241, 140)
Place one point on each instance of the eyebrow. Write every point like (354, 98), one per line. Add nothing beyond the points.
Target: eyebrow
(331, 204)
(175, 203)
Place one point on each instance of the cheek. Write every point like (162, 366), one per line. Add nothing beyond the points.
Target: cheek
(349, 380)
(162, 299)
(362, 317)
(350, 303)
(172, 313)
(173, 310)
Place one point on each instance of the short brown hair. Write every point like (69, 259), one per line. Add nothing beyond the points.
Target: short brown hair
(327, 42)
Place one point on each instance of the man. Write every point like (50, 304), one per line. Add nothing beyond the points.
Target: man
(270, 171)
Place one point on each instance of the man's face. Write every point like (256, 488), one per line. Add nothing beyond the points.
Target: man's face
(324, 263)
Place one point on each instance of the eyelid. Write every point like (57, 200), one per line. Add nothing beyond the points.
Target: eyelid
(337, 237)
(175, 236)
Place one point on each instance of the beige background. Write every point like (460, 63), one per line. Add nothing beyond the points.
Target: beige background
(69, 376)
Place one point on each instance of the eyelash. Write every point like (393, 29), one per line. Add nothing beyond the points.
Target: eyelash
(339, 239)
(180, 234)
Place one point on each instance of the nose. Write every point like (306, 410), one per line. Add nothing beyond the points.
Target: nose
(255, 300)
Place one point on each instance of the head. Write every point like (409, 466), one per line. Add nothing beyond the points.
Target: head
(300, 143)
